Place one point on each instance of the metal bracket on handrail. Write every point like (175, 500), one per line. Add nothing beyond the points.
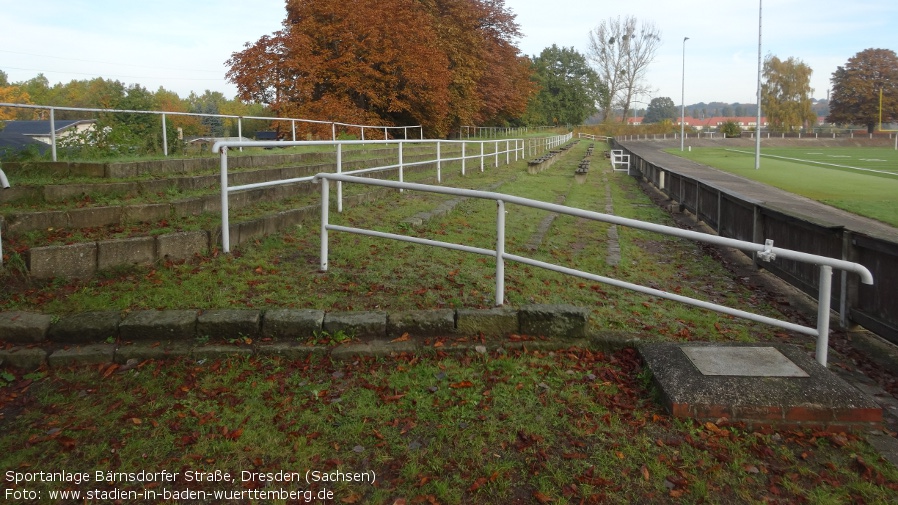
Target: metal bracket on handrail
(767, 254)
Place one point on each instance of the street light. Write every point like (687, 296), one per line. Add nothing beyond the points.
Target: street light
(683, 97)
(758, 124)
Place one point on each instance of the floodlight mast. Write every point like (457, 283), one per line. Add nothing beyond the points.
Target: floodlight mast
(758, 124)
(683, 98)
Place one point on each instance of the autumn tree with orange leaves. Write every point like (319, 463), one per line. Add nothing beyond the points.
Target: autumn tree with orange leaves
(437, 63)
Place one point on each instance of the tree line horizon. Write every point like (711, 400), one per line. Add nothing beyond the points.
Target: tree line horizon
(444, 64)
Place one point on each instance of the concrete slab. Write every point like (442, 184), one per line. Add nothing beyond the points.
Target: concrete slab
(742, 361)
(821, 400)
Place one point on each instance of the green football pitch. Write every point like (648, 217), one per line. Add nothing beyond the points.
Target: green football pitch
(862, 180)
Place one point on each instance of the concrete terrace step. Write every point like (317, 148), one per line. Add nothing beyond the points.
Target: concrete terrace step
(34, 340)
(85, 258)
(71, 196)
(184, 166)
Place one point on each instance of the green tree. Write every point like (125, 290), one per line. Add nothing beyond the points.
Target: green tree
(568, 88)
(786, 94)
(660, 109)
(857, 87)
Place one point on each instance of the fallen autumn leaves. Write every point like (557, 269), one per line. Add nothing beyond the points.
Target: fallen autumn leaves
(511, 426)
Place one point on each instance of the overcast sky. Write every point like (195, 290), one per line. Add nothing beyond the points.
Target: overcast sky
(182, 45)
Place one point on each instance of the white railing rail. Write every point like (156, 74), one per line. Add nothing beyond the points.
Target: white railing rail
(293, 121)
(498, 148)
(590, 136)
(765, 251)
(618, 159)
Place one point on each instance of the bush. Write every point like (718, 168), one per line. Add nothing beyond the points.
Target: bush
(730, 130)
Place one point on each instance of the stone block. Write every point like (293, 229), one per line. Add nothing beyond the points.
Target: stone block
(215, 235)
(28, 221)
(86, 327)
(159, 325)
(63, 192)
(71, 261)
(127, 251)
(291, 323)
(421, 323)
(182, 245)
(91, 217)
(20, 194)
(24, 327)
(553, 320)
(148, 168)
(213, 352)
(121, 170)
(250, 230)
(82, 355)
(147, 213)
(23, 358)
(156, 186)
(212, 203)
(199, 164)
(187, 207)
(228, 323)
(496, 322)
(362, 325)
(289, 350)
(273, 223)
(203, 182)
(88, 169)
(142, 351)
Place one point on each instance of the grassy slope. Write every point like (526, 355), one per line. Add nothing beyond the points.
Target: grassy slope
(376, 274)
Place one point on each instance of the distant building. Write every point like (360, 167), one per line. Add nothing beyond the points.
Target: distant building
(18, 135)
(714, 123)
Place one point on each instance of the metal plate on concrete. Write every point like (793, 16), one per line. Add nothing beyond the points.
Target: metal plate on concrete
(742, 361)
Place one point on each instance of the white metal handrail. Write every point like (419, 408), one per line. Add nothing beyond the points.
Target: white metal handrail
(619, 158)
(518, 150)
(293, 121)
(765, 251)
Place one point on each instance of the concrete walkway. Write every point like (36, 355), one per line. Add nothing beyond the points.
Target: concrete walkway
(778, 199)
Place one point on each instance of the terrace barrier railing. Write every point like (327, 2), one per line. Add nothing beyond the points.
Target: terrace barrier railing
(334, 124)
(520, 148)
(765, 251)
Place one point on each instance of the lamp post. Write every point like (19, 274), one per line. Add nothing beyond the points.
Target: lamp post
(758, 124)
(683, 97)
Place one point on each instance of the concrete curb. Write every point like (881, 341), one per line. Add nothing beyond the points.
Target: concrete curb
(34, 340)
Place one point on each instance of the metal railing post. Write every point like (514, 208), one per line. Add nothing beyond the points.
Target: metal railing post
(500, 252)
(225, 225)
(334, 131)
(481, 155)
(823, 302)
(439, 179)
(400, 166)
(325, 210)
(164, 137)
(240, 130)
(53, 133)
(463, 157)
(507, 152)
(496, 160)
(293, 129)
(339, 183)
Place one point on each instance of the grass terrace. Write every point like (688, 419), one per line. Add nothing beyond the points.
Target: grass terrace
(522, 420)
